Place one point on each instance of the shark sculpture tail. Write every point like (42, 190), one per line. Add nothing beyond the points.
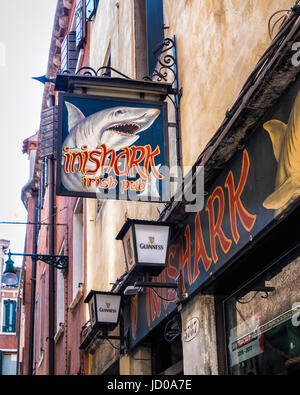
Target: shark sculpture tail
(286, 147)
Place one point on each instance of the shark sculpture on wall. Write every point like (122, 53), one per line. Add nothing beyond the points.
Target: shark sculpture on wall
(116, 127)
(286, 146)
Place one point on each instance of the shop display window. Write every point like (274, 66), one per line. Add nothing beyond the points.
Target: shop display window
(262, 322)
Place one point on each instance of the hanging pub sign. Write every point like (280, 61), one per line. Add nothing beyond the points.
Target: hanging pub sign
(111, 148)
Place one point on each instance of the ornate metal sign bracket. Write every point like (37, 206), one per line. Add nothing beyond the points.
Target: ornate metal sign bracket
(58, 261)
(167, 71)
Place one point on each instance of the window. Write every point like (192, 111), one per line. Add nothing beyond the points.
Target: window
(154, 32)
(43, 182)
(69, 53)
(42, 316)
(80, 23)
(9, 364)
(35, 340)
(9, 316)
(90, 8)
(78, 273)
(167, 355)
(262, 328)
(60, 301)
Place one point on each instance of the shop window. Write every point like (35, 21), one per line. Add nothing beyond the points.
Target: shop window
(114, 369)
(69, 53)
(262, 328)
(167, 354)
(9, 316)
(154, 31)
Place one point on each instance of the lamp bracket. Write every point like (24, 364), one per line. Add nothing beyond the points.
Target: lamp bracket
(141, 284)
(105, 337)
(124, 340)
(58, 261)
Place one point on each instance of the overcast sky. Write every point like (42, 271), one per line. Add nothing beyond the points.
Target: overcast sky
(25, 34)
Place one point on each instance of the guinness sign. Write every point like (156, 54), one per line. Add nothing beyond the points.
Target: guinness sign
(104, 309)
(145, 247)
(151, 246)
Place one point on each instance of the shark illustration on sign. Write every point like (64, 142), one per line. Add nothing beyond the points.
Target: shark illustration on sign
(286, 146)
(116, 127)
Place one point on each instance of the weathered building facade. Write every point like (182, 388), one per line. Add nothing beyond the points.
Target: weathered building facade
(8, 309)
(236, 113)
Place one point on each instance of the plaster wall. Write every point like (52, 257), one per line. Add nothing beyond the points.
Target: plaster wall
(200, 350)
(219, 43)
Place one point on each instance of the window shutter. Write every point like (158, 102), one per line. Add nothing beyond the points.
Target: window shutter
(9, 315)
(80, 23)
(5, 316)
(69, 53)
(14, 321)
(48, 131)
(154, 30)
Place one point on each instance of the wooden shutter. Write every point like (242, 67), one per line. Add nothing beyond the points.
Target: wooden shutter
(80, 23)
(154, 30)
(5, 316)
(48, 131)
(14, 321)
(69, 53)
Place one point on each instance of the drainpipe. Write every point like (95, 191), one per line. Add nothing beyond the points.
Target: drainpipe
(51, 267)
(33, 287)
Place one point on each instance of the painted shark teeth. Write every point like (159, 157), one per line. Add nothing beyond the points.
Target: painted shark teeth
(125, 129)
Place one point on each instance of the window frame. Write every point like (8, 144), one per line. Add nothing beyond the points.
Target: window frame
(78, 249)
(60, 295)
(154, 35)
(14, 317)
(94, 7)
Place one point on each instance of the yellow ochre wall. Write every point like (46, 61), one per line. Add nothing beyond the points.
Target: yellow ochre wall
(218, 44)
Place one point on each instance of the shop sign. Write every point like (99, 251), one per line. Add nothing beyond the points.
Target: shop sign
(245, 343)
(111, 148)
(191, 329)
(260, 182)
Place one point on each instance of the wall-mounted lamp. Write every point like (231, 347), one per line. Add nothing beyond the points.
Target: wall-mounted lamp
(58, 261)
(145, 245)
(9, 276)
(104, 309)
